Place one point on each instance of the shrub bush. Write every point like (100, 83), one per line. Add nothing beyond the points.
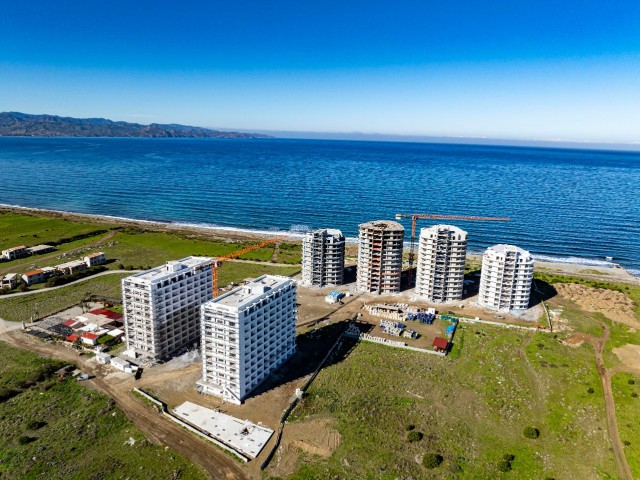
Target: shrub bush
(23, 440)
(432, 460)
(626, 443)
(634, 394)
(531, 432)
(409, 427)
(414, 436)
(504, 466)
(590, 390)
(631, 381)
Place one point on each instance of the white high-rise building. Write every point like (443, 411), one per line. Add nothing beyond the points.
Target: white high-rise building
(442, 253)
(505, 281)
(247, 333)
(323, 258)
(162, 306)
(380, 257)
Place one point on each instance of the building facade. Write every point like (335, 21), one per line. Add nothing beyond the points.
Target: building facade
(247, 334)
(442, 253)
(505, 281)
(14, 253)
(380, 256)
(95, 259)
(162, 306)
(323, 258)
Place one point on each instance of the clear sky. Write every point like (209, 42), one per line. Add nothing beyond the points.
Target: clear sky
(566, 70)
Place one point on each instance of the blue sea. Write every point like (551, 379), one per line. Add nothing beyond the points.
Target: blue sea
(578, 206)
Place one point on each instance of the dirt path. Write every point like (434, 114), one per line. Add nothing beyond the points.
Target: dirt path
(40, 290)
(612, 425)
(155, 426)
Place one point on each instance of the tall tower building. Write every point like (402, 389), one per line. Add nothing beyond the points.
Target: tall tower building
(247, 333)
(323, 258)
(442, 255)
(380, 257)
(162, 306)
(505, 281)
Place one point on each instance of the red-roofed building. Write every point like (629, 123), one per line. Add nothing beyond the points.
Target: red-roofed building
(33, 276)
(70, 323)
(440, 344)
(90, 338)
(73, 337)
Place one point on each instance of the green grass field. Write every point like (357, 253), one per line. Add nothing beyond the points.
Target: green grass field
(57, 429)
(471, 410)
(625, 386)
(20, 229)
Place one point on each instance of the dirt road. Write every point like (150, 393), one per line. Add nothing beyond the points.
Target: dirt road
(612, 425)
(155, 426)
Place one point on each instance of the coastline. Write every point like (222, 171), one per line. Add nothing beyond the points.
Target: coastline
(598, 269)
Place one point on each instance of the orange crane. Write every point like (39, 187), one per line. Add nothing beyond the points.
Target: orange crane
(218, 261)
(414, 218)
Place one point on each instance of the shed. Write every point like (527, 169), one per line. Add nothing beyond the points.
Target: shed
(103, 358)
(122, 364)
(440, 344)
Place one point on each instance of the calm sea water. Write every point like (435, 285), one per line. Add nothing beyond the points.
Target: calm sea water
(576, 205)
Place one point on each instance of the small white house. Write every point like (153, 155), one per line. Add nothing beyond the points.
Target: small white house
(103, 358)
(97, 258)
(10, 281)
(122, 365)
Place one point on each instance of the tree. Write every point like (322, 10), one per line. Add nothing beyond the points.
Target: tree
(432, 460)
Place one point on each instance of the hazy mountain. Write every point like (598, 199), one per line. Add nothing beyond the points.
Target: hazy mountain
(15, 124)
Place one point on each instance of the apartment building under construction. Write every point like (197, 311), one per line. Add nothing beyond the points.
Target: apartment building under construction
(162, 306)
(323, 258)
(505, 282)
(442, 252)
(380, 256)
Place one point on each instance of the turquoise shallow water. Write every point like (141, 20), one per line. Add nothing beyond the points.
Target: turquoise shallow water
(577, 205)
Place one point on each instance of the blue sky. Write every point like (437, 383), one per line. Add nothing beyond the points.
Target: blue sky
(545, 70)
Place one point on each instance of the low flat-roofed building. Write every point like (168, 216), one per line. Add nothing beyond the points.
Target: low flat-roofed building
(69, 268)
(14, 253)
(95, 259)
(34, 276)
(10, 281)
(121, 364)
(40, 249)
(103, 358)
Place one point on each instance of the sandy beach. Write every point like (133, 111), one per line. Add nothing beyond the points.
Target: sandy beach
(616, 274)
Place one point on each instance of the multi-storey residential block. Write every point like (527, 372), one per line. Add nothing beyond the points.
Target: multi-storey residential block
(380, 257)
(442, 255)
(162, 306)
(247, 333)
(505, 281)
(323, 258)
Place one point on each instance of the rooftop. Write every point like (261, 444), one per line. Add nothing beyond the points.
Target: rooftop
(96, 254)
(31, 273)
(241, 296)
(13, 249)
(503, 248)
(441, 227)
(10, 276)
(242, 435)
(73, 263)
(170, 269)
(382, 225)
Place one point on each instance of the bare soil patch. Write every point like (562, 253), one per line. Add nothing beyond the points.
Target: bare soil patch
(577, 339)
(614, 305)
(629, 356)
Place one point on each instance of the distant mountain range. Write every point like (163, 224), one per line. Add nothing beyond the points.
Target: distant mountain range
(16, 124)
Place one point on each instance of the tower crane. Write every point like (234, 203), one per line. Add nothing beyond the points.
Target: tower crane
(219, 260)
(414, 219)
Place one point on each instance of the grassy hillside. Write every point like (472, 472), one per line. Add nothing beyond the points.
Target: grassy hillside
(57, 429)
(471, 410)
